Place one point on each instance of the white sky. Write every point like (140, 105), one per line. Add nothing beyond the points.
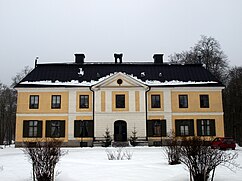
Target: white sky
(54, 30)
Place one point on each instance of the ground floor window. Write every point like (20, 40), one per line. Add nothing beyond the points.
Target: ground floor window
(156, 128)
(32, 128)
(184, 127)
(83, 128)
(55, 128)
(206, 127)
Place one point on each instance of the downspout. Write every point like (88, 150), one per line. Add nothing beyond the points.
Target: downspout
(93, 108)
(146, 111)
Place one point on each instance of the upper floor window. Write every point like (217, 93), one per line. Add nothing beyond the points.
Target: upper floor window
(55, 128)
(204, 101)
(56, 102)
(183, 101)
(155, 101)
(84, 101)
(206, 127)
(34, 102)
(32, 128)
(120, 101)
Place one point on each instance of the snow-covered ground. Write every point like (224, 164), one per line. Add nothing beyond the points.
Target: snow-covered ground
(91, 164)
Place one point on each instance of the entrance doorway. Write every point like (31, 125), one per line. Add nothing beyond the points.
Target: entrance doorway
(120, 131)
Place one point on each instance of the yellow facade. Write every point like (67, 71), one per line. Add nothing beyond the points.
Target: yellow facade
(215, 101)
(219, 124)
(78, 109)
(44, 102)
(19, 126)
(160, 93)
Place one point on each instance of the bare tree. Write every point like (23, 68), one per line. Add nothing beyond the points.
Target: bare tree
(7, 114)
(208, 52)
(44, 155)
(201, 159)
(19, 76)
(232, 98)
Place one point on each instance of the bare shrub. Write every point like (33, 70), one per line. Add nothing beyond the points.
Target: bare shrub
(119, 154)
(133, 137)
(44, 155)
(201, 159)
(172, 150)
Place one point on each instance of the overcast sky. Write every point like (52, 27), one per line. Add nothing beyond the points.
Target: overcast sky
(54, 30)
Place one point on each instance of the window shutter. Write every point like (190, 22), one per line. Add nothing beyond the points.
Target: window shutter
(177, 125)
(150, 127)
(199, 127)
(62, 128)
(39, 129)
(77, 128)
(163, 127)
(26, 129)
(48, 129)
(91, 128)
(213, 130)
(191, 127)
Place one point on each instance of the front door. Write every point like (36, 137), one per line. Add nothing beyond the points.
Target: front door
(120, 131)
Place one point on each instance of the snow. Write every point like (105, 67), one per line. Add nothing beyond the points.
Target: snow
(91, 164)
(91, 83)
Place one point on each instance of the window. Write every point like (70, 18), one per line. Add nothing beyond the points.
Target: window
(155, 101)
(156, 128)
(206, 127)
(120, 101)
(183, 101)
(84, 101)
(55, 128)
(204, 101)
(34, 102)
(56, 102)
(32, 129)
(184, 130)
(184, 127)
(83, 128)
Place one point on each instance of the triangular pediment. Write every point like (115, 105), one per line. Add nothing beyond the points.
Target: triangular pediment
(120, 79)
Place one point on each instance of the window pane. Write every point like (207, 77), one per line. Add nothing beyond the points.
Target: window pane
(120, 101)
(33, 128)
(157, 128)
(56, 101)
(183, 101)
(84, 101)
(55, 129)
(155, 101)
(204, 101)
(34, 102)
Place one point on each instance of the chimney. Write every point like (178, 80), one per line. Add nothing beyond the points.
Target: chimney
(158, 58)
(79, 58)
(118, 56)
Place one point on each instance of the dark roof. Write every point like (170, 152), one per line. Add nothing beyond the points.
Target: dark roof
(65, 72)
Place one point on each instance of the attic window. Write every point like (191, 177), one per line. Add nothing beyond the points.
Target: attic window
(81, 72)
(142, 74)
(119, 81)
(160, 74)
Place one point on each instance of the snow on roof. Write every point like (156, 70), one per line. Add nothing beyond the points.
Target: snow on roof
(93, 82)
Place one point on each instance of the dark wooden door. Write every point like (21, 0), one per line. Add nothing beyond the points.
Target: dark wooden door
(120, 131)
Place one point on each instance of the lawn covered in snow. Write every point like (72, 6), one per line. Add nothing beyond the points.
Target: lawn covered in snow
(91, 164)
